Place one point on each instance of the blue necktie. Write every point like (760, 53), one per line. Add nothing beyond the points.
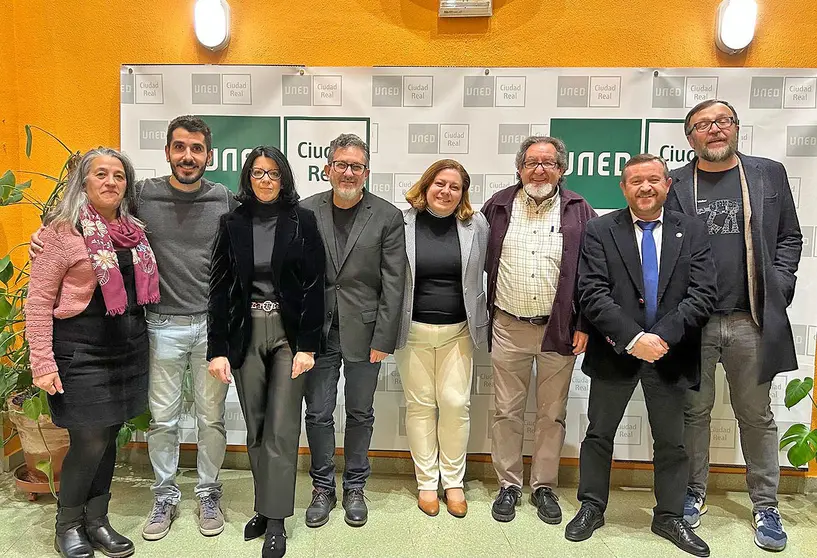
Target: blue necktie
(649, 270)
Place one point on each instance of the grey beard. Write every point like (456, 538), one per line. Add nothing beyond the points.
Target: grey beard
(347, 194)
(543, 191)
(720, 155)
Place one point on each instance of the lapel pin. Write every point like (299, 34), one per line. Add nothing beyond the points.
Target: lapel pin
(679, 235)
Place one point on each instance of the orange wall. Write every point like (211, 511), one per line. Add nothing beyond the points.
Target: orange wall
(59, 61)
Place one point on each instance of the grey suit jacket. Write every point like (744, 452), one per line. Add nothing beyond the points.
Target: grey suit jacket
(366, 283)
(473, 236)
(777, 244)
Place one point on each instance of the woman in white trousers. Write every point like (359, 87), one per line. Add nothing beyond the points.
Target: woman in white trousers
(444, 318)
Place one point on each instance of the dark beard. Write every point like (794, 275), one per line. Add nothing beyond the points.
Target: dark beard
(184, 180)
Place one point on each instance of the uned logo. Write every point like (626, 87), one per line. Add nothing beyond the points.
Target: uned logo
(510, 136)
(766, 92)
(572, 91)
(205, 89)
(668, 91)
(381, 184)
(597, 150)
(801, 141)
(423, 138)
(296, 91)
(126, 95)
(233, 139)
(387, 91)
(152, 134)
(478, 91)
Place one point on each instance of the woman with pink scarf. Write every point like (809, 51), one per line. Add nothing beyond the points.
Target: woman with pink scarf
(85, 324)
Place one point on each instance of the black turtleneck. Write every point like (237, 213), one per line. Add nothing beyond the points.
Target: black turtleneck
(264, 221)
(438, 271)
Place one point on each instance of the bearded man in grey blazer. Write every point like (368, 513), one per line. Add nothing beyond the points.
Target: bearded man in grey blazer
(365, 275)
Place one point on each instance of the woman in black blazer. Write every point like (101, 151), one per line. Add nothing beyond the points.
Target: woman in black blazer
(265, 323)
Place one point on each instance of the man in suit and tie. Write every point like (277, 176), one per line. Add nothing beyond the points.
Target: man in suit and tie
(752, 224)
(647, 287)
(364, 239)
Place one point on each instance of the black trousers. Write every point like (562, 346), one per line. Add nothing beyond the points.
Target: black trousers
(271, 402)
(665, 409)
(321, 398)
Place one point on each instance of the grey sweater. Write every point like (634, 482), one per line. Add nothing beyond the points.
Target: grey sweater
(181, 228)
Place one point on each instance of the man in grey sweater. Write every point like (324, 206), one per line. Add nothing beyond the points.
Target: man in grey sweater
(181, 212)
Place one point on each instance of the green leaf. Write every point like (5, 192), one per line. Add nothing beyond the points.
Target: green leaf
(797, 390)
(6, 269)
(803, 444)
(14, 197)
(142, 422)
(32, 408)
(46, 408)
(6, 339)
(5, 309)
(8, 179)
(28, 141)
(124, 436)
(24, 185)
(48, 470)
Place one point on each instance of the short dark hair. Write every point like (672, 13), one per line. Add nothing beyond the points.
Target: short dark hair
(192, 124)
(344, 141)
(288, 195)
(704, 105)
(645, 158)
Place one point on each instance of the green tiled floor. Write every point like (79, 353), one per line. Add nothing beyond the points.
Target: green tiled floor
(397, 528)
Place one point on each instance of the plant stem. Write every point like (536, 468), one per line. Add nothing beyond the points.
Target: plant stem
(52, 135)
(50, 460)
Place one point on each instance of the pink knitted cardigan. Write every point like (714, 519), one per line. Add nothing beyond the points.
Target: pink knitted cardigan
(61, 285)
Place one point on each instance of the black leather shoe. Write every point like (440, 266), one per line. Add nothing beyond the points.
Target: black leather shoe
(355, 505)
(275, 545)
(504, 508)
(255, 527)
(588, 519)
(71, 540)
(101, 535)
(547, 505)
(323, 501)
(679, 532)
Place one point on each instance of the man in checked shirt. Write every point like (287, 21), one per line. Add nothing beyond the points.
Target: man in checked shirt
(537, 227)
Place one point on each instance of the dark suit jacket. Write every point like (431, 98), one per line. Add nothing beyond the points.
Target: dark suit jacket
(367, 281)
(298, 275)
(777, 242)
(611, 294)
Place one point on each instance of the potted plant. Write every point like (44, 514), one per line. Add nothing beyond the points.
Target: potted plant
(801, 439)
(26, 406)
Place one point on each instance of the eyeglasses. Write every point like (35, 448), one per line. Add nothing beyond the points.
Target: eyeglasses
(341, 166)
(546, 165)
(258, 173)
(723, 123)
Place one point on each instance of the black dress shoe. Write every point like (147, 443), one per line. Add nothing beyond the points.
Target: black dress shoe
(504, 508)
(588, 519)
(679, 532)
(255, 527)
(275, 545)
(323, 501)
(355, 505)
(547, 505)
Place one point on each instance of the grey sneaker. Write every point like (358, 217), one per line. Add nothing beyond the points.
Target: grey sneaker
(159, 520)
(211, 518)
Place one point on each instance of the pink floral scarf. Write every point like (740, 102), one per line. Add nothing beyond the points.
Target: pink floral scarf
(102, 240)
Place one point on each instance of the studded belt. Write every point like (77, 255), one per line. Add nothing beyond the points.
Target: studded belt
(266, 306)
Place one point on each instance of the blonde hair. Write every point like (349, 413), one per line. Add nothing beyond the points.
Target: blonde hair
(416, 196)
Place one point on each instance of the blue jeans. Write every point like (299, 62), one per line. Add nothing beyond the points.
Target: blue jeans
(176, 344)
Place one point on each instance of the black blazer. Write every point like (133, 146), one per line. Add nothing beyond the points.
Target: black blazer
(298, 275)
(778, 244)
(611, 295)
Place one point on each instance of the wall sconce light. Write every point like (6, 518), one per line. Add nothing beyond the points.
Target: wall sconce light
(736, 25)
(212, 23)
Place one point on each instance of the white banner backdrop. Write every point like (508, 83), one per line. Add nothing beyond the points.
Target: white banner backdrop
(414, 116)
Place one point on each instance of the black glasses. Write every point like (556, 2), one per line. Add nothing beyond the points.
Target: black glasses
(723, 123)
(341, 166)
(258, 173)
(546, 165)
